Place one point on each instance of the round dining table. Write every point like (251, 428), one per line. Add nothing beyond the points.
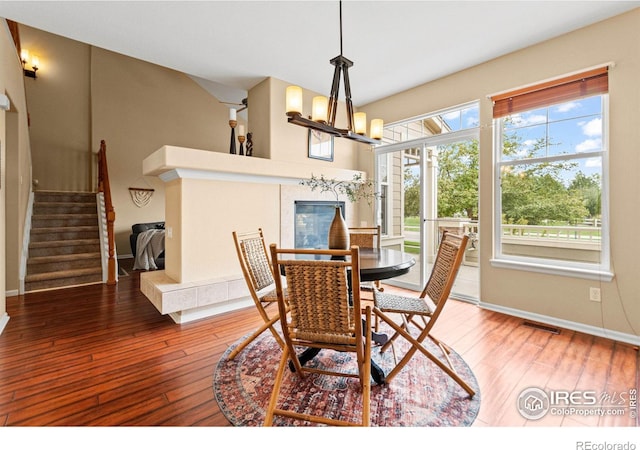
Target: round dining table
(384, 263)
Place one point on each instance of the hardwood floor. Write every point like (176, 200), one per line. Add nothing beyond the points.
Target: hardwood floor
(102, 355)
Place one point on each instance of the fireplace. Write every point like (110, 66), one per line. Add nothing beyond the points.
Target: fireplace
(312, 219)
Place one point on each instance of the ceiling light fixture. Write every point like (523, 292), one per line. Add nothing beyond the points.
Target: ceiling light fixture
(324, 110)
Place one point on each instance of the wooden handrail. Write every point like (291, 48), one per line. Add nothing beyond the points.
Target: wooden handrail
(103, 186)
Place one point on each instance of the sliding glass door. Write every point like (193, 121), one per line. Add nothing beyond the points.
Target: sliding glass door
(428, 185)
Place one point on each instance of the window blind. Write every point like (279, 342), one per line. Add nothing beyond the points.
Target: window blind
(561, 90)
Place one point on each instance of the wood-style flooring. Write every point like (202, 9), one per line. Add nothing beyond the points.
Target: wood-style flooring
(102, 355)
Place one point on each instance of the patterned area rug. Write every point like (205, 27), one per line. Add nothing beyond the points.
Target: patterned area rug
(420, 395)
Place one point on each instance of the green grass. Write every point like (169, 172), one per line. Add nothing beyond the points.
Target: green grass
(412, 247)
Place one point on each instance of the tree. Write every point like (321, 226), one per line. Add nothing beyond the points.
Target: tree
(588, 188)
(411, 193)
(458, 180)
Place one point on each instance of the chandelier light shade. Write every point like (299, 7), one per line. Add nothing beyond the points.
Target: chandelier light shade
(377, 126)
(294, 100)
(319, 109)
(323, 110)
(360, 122)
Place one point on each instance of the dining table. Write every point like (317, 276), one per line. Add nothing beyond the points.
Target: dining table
(375, 264)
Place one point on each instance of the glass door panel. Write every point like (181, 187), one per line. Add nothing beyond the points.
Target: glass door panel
(427, 189)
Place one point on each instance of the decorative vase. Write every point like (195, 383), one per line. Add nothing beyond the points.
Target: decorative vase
(338, 232)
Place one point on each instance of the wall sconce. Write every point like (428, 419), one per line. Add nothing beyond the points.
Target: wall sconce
(35, 62)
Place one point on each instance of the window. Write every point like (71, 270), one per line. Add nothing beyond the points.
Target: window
(551, 177)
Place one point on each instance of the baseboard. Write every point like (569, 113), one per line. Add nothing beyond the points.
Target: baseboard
(567, 324)
(3, 322)
(127, 256)
(211, 310)
(12, 293)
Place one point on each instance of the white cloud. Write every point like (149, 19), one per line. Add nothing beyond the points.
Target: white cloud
(565, 107)
(592, 127)
(593, 162)
(588, 145)
(521, 121)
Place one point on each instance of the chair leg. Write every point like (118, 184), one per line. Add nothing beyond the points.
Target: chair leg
(415, 346)
(273, 401)
(366, 372)
(257, 333)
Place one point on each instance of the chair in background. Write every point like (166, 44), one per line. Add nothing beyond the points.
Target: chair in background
(366, 237)
(422, 312)
(258, 274)
(322, 315)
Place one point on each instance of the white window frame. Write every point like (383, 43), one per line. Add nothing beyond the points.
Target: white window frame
(601, 271)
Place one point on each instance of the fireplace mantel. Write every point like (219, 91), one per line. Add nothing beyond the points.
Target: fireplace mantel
(171, 162)
(207, 196)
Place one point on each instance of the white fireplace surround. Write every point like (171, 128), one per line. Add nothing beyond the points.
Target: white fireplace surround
(258, 185)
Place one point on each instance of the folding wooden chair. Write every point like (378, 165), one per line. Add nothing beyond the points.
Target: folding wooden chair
(322, 315)
(258, 274)
(427, 307)
(366, 237)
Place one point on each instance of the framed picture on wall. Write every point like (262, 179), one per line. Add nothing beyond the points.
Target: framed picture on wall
(320, 145)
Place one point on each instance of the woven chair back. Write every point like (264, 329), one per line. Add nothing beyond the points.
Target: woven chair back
(322, 307)
(254, 253)
(445, 267)
(365, 237)
(318, 297)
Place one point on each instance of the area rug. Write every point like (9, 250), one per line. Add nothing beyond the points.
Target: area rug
(421, 395)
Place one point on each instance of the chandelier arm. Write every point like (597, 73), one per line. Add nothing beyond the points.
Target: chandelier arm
(333, 98)
(347, 95)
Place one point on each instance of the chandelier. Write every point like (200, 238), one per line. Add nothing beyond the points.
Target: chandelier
(324, 110)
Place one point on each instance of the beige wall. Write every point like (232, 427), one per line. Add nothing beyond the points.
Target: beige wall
(137, 108)
(617, 40)
(15, 179)
(59, 111)
(85, 94)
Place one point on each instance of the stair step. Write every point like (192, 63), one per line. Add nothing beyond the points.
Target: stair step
(59, 263)
(61, 196)
(44, 208)
(65, 247)
(68, 278)
(63, 220)
(64, 243)
(70, 257)
(62, 234)
(63, 274)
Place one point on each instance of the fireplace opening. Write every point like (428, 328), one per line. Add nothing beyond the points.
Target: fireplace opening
(312, 220)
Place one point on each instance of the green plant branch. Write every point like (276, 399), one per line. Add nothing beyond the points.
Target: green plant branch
(354, 189)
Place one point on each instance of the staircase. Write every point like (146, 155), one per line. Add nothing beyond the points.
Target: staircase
(64, 248)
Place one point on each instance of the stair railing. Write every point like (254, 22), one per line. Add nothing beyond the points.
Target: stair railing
(103, 186)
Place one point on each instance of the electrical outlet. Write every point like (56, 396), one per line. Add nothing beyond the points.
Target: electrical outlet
(594, 294)
(169, 231)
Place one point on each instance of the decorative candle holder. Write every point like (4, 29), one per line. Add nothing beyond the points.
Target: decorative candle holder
(241, 139)
(232, 144)
(249, 144)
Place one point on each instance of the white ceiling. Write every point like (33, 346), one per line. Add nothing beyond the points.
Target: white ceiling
(395, 45)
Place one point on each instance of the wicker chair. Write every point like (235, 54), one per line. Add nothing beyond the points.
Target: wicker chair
(427, 307)
(322, 316)
(366, 237)
(258, 274)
